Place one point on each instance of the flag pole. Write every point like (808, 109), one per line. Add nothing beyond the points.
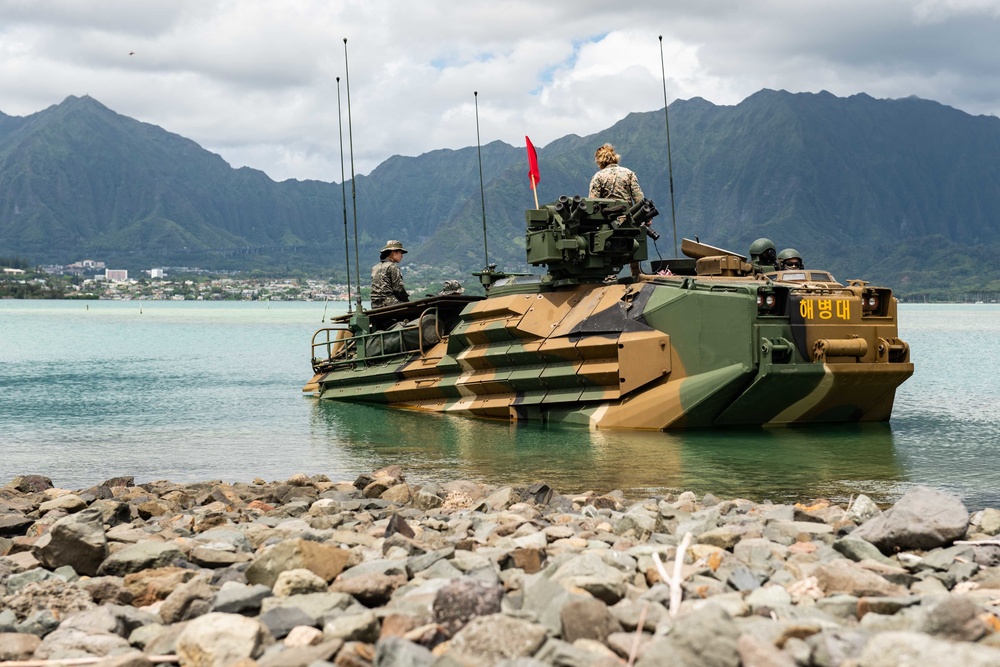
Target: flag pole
(534, 190)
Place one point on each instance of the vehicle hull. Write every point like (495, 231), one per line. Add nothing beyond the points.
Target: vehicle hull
(661, 353)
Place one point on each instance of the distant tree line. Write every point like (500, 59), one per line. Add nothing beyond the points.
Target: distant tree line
(15, 263)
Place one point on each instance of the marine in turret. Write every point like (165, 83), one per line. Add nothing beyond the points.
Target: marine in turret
(789, 258)
(763, 255)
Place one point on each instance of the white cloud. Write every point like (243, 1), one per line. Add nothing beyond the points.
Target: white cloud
(255, 81)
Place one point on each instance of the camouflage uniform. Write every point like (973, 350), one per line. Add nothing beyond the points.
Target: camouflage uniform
(387, 285)
(615, 182)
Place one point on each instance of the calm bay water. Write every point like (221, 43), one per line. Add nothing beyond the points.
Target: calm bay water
(192, 391)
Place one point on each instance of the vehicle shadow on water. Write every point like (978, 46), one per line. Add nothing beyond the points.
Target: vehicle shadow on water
(780, 464)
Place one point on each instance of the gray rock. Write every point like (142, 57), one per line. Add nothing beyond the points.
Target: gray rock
(543, 599)
(487, 640)
(591, 573)
(217, 640)
(770, 596)
(386, 567)
(16, 582)
(989, 521)
(361, 627)
(942, 559)
(862, 509)
(956, 618)
(629, 613)
(587, 619)
(74, 643)
(314, 605)
(742, 578)
(842, 576)
(924, 518)
(397, 652)
(96, 620)
(426, 560)
(371, 590)
(236, 598)
(640, 523)
(839, 606)
(300, 656)
(462, 600)
(40, 623)
(857, 549)
(187, 601)
(557, 652)
(138, 557)
(703, 638)
(281, 620)
(441, 569)
(142, 636)
(756, 653)
(901, 649)
(832, 648)
(77, 540)
(7, 622)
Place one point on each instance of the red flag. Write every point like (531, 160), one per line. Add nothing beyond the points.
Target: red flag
(532, 164)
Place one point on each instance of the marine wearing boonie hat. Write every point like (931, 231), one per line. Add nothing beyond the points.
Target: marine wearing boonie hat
(391, 246)
(387, 280)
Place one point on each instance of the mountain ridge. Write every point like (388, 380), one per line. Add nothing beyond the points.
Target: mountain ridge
(859, 185)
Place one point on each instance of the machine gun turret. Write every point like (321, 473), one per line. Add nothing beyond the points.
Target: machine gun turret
(585, 240)
(643, 213)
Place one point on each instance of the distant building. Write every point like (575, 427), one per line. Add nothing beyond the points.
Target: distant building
(156, 273)
(85, 266)
(116, 275)
(11, 271)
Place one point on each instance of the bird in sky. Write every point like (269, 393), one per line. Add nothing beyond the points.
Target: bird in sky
(131, 53)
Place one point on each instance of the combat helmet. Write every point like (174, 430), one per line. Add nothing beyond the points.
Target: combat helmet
(452, 287)
(763, 251)
(787, 257)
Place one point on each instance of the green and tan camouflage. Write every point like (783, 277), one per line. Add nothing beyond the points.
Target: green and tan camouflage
(708, 341)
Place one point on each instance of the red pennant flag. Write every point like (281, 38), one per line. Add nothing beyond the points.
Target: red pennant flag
(532, 164)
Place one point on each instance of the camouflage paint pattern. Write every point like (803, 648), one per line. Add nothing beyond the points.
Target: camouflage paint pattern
(663, 352)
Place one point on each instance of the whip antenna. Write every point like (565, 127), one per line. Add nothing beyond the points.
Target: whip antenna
(354, 194)
(670, 162)
(343, 198)
(482, 191)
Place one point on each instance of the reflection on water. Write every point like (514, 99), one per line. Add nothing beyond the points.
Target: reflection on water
(778, 464)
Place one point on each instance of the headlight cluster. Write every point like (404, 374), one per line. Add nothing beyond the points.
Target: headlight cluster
(766, 301)
(870, 301)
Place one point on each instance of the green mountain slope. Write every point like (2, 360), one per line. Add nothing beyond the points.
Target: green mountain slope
(905, 192)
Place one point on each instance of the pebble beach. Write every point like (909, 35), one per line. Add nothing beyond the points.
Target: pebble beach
(381, 571)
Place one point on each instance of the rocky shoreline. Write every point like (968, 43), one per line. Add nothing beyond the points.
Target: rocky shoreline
(377, 571)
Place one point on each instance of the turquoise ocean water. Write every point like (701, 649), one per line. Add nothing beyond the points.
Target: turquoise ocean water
(192, 391)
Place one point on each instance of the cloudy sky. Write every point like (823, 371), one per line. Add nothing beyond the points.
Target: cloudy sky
(255, 80)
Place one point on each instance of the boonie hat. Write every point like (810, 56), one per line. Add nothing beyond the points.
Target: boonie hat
(452, 287)
(393, 245)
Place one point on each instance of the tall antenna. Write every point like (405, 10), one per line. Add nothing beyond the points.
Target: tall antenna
(354, 193)
(482, 191)
(343, 197)
(670, 162)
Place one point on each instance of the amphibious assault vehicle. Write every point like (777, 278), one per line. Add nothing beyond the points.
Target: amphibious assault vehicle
(709, 340)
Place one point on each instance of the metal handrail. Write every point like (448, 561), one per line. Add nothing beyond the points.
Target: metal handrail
(361, 340)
